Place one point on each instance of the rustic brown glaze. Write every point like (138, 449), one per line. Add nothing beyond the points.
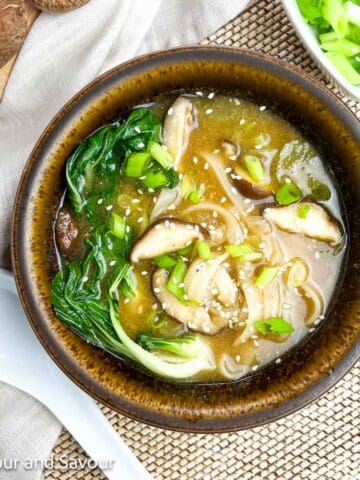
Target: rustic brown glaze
(274, 391)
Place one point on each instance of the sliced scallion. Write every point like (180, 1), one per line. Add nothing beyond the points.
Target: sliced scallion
(275, 325)
(155, 179)
(303, 210)
(254, 167)
(187, 186)
(345, 67)
(288, 193)
(165, 261)
(136, 164)
(185, 251)
(117, 226)
(196, 195)
(266, 276)
(243, 253)
(203, 249)
(162, 156)
(176, 278)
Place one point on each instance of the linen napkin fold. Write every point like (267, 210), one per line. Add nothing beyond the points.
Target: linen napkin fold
(60, 55)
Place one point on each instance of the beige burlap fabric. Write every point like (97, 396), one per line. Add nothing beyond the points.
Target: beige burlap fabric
(321, 442)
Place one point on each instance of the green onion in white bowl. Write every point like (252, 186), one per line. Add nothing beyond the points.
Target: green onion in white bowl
(330, 29)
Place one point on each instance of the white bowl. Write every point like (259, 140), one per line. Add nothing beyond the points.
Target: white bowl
(310, 41)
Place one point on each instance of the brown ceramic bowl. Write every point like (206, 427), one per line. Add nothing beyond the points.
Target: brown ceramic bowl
(274, 391)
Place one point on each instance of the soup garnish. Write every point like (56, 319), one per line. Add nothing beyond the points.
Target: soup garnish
(200, 237)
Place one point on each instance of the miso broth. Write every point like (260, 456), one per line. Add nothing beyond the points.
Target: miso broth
(201, 237)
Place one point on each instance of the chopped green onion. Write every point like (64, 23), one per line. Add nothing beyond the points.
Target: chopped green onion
(161, 155)
(328, 37)
(274, 325)
(186, 250)
(266, 276)
(117, 226)
(187, 186)
(136, 164)
(345, 67)
(288, 193)
(334, 13)
(176, 278)
(196, 195)
(254, 167)
(352, 12)
(243, 253)
(165, 261)
(343, 47)
(155, 179)
(303, 210)
(203, 249)
(239, 250)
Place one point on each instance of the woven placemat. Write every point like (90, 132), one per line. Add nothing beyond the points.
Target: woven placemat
(321, 442)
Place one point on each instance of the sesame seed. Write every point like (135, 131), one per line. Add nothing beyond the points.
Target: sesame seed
(286, 306)
(141, 145)
(223, 199)
(287, 180)
(199, 94)
(247, 200)
(208, 111)
(137, 129)
(216, 150)
(255, 367)
(109, 207)
(112, 262)
(278, 360)
(135, 200)
(215, 214)
(100, 201)
(233, 157)
(262, 245)
(85, 278)
(237, 358)
(317, 255)
(262, 108)
(195, 160)
(127, 212)
(127, 300)
(228, 169)
(140, 219)
(127, 229)
(170, 111)
(242, 121)
(233, 189)
(237, 101)
(211, 95)
(206, 166)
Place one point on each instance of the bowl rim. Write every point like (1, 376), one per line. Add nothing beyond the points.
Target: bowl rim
(69, 366)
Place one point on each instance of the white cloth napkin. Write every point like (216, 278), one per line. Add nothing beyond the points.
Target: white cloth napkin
(60, 55)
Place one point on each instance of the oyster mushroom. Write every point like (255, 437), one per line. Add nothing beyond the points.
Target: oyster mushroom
(164, 236)
(194, 317)
(180, 121)
(317, 223)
